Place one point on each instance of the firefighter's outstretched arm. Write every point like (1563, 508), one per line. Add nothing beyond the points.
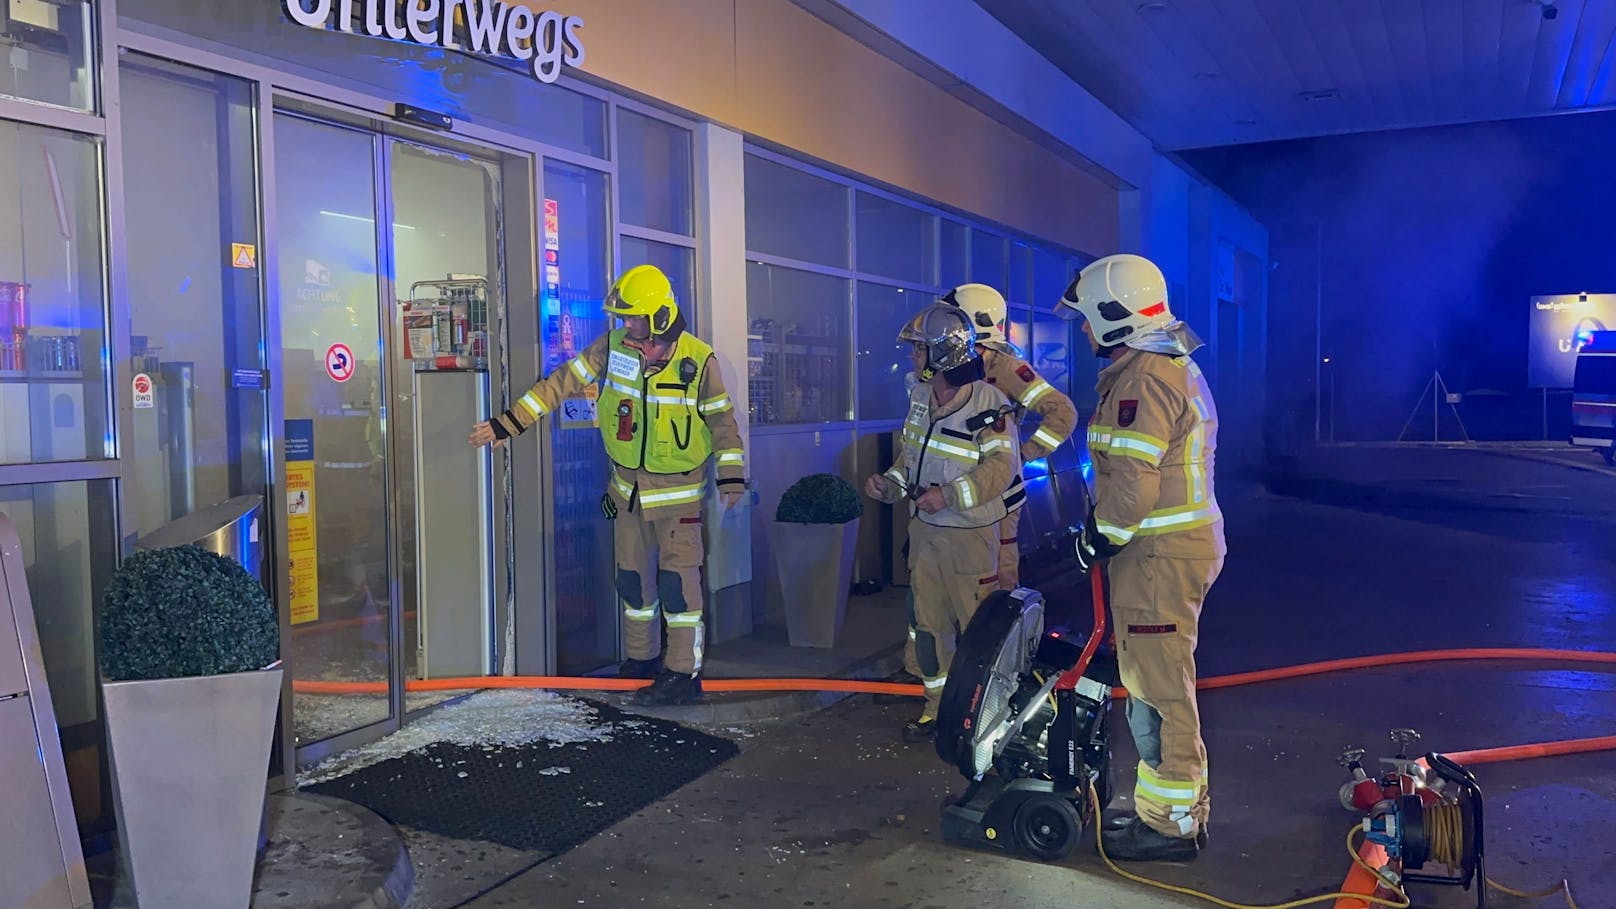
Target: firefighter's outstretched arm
(546, 394)
(1128, 492)
(992, 475)
(718, 412)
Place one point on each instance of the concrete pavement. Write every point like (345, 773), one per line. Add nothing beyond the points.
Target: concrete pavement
(832, 809)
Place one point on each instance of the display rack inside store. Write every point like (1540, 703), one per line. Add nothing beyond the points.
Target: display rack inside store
(446, 324)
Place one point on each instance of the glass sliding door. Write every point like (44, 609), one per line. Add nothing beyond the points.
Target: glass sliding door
(447, 294)
(335, 385)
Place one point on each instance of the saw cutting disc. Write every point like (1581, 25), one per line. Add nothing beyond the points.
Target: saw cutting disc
(995, 652)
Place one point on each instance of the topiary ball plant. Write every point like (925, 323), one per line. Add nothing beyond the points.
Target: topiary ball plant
(184, 611)
(820, 498)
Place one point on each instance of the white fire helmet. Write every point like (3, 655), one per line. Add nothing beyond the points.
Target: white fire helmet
(1121, 297)
(986, 309)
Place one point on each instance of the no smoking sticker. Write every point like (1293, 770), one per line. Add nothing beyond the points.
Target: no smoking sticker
(143, 392)
(339, 362)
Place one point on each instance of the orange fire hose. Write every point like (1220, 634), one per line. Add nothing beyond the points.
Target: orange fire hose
(857, 686)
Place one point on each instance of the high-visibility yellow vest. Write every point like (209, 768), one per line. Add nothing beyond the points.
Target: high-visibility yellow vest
(654, 422)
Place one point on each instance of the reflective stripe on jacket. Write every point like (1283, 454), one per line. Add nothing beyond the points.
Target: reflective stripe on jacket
(1153, 440)
(968, 448)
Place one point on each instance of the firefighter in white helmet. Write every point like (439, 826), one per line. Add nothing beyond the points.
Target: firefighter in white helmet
(1157, 522)
(664, 417)
(1027, 391)
(956, 460)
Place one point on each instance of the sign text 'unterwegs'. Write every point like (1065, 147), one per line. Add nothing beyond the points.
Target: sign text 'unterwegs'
(546, 40)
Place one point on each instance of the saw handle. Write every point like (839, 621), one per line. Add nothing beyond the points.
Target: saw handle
(1069, 678)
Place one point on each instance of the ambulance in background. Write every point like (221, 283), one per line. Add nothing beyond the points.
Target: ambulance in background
(1593, 396)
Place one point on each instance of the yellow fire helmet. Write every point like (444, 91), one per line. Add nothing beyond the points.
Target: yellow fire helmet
(644, 291)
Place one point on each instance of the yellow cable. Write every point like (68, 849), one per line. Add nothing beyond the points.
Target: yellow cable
(1444, 823)
(1094, 799)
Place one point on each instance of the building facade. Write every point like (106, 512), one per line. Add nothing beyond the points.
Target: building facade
(295, 248)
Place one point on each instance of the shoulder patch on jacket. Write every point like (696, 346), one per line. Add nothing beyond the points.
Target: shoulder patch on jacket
(1026, 373)
(1127, 412)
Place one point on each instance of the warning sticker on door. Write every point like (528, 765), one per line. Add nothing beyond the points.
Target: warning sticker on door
(339, 362)
(577, 413)
(143, 392)
(243, 255)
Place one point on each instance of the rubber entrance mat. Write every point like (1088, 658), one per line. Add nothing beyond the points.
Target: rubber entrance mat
(542, 797)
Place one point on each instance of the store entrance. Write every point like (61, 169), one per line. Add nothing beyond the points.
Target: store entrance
(389, 266)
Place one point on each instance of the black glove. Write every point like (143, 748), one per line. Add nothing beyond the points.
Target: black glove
(608, 507)
(1093, 546)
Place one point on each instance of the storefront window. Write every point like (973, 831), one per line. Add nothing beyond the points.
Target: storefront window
(895, 240)
(1018, 329)
(677, 262)
(1049, 279)
(1019, 286)
(578, 271)
(655, 174)
(549, 113)
(795, 215)
(800, 349)
(195, 319)
(955, 260)
(52, 302)
(1051, 349)
(48, 46)
(69, 550)
(882, 359)
(988, 260)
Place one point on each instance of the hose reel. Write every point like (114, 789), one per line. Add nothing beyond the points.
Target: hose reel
(1426, 811)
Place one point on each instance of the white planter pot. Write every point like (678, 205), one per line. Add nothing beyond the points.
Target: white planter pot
(190, 760)
(815, 566)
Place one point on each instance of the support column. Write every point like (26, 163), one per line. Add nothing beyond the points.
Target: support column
(721, 287)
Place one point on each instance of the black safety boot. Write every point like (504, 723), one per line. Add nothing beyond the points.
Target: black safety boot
(901, 677)
(1123, 821)
(921, 730)
(670, 688)
(1137, 842)
(639, 669)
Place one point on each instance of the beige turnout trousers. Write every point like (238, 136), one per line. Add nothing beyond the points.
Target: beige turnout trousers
(1156, 604)
(952, 570)
(670, 585)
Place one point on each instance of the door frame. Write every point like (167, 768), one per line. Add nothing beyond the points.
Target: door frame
(525, 638)
(403, 593)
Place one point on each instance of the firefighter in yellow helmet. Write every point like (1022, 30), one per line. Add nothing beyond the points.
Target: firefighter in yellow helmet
(956, 459)
(1157, 521)
(664, 416)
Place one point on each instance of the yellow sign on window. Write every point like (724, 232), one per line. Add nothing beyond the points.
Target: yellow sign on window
(302, 540)
(243, 255)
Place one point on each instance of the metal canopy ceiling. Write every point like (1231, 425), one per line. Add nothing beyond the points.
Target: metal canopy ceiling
(1196, 73)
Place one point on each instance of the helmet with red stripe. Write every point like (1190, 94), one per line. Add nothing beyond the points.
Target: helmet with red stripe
(1122, 297)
